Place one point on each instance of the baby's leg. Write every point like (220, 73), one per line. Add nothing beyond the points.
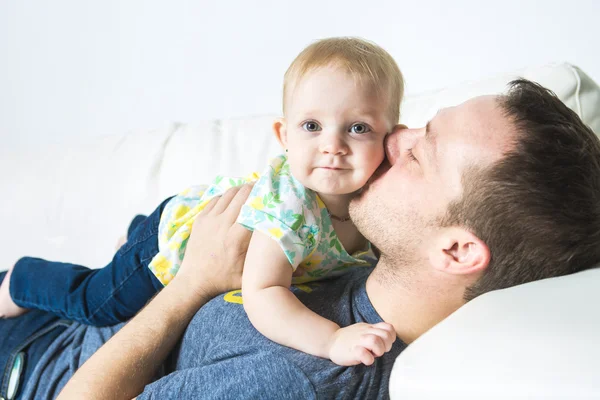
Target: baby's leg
(8, 308)
(138, 219)
(100, 297)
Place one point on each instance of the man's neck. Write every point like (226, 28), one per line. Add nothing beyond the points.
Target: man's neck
(409, 307)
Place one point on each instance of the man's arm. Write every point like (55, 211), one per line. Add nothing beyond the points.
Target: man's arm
(212, 264)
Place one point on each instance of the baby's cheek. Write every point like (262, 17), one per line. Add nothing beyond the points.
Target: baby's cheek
(299, 170)
(374, 160)
(370, 165)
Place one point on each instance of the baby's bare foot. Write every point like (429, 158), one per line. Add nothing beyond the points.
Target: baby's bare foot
(8, 308)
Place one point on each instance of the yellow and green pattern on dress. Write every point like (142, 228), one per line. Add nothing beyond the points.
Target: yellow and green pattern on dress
(278, 206)
(294, 216)
(177, 219)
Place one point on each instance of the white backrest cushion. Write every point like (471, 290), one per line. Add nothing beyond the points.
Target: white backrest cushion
(196, 153)
(578, 91)
(71, 201)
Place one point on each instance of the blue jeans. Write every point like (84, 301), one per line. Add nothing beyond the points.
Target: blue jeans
(29, 335)
(99, 297)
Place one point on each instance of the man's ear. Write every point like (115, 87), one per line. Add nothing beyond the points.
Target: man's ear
(459, 252)
(280, 131)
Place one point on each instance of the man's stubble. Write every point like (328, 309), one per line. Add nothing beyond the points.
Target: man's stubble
(398, 233)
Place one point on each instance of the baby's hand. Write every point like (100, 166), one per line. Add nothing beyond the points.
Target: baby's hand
(361, 343)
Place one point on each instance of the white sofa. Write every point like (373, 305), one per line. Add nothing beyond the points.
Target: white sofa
(71, 201)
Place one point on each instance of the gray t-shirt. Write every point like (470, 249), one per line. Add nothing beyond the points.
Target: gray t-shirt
(222, 356)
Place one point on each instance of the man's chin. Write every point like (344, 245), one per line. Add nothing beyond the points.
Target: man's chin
(355, 201)
(357, 211)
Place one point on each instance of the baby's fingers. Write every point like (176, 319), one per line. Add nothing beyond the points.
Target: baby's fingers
(363, 355)
(374, 344)
(385, 326)
(386, 332)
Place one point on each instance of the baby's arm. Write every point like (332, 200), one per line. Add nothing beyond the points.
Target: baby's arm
(279, 315)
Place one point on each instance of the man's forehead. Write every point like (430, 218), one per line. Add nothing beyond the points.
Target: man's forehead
(479, 104)
(479, 124)
(481, 116)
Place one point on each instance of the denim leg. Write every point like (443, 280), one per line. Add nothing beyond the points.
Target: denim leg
(138, 219)
(30, 335)
(99, 297)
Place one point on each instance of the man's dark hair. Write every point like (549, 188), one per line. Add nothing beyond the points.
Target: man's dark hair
(538, 208)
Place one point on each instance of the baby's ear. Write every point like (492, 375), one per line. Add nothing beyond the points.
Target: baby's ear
(280, 131)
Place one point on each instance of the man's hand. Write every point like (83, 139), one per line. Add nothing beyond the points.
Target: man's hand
(212, 264)
(361, 343)
(216, 250)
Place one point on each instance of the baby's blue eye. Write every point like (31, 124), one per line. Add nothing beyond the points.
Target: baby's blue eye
(311, 126)
(360, 129)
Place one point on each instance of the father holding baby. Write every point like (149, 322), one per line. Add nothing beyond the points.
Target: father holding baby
(490, 194)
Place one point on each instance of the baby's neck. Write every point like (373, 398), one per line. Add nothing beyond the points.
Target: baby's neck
(337, 204)
(349, 236)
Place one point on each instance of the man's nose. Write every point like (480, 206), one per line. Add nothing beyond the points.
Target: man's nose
(399, 141)
(407, 137)
(398, 137)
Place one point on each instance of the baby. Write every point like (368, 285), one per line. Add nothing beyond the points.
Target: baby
(341, 97)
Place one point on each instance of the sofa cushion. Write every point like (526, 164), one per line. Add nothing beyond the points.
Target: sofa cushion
(534, 341)
(71, 201)
(571, 85)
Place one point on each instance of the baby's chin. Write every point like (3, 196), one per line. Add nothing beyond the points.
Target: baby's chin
(327, 190)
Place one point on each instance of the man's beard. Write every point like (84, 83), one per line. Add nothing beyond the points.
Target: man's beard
(397, 234)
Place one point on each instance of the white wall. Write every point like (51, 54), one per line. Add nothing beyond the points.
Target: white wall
(70, 68)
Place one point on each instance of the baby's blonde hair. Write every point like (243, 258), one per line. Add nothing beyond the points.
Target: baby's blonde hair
(365, 61)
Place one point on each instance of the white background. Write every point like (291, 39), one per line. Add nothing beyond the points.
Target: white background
(73, 68)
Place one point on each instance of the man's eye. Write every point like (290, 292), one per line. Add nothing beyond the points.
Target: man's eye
(411, 155)
(360, 129)
(311, 126)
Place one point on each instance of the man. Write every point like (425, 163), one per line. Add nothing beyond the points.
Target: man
(498, 191)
